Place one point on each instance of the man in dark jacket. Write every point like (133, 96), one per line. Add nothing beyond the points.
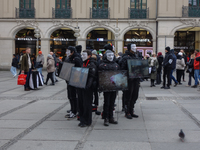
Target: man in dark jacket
(13, 68)
(109, 97)
(85, 100)
(167, 66)
(173, 68)
(74, 58)
(131, 95)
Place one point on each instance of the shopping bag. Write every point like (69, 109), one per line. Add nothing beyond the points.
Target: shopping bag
(21, 79)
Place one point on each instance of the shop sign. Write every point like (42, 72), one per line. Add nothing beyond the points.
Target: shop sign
(24, 39)
(62, 39)
(184, 47)
(100, 39)
(137, 40)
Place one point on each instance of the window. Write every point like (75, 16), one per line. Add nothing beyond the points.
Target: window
(63, 4)
(194, 2)
(27, 4)
(100, 4)
(139, 4)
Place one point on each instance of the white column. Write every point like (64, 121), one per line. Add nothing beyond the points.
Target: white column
(120, 44)
(154, 45)
(45, 48)
(83, 43)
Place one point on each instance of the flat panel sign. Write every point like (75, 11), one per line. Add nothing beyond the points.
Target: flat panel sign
(66, 71)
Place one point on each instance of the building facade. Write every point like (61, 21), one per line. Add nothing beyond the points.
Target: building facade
(151, 24)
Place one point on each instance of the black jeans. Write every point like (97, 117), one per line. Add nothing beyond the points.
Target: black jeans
(131, 95)
(96, 98)
(158, 78)
(109, 101)
(50, 75)
(190, 78)
(85, 106)
(179, 74)
(167, 72)
(71, 92)
(27, 78)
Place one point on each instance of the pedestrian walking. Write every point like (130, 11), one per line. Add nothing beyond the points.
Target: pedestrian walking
(173, 69)
(190, 69)
(50, 69)
(14, 65)
(196, 69)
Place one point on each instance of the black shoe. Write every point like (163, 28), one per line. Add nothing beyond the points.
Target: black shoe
(83, 125)
(106, 122)
(52, 84)
(163, 87)
(128, 116)
(157, 83)
(112, 121)
(167, 87)
(98, 113)
(151, 85)
(134, 115)
(194, 86)
(175, 84)
(68, 111)
(154, 85)
(45, 83)
(180, 83)
(56, 81)
(79, 124)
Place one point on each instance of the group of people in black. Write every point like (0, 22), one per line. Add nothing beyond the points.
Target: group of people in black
(81, 100)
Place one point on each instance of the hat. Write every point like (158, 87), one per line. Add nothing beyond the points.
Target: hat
(49, 55)
(160, 53)
(40, 52)
(94, 52)
(108, 46)
(100, 54)
(78, 48)
(180, 53)
(72, 49)
(167, 48)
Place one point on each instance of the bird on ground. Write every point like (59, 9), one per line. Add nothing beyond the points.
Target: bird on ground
(181, 135)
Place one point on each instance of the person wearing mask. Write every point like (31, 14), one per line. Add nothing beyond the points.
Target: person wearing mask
(180, 66)
(40, 63)
(167, 67)
(131, 95)
(173, 68)
(14, 65)
(159, 70)
(26, 66)
(190, 69)
(50, 69)
(72, 92)
(85, 100)
(196, 69)
(109, 97)
(153, 63)
(185, 59)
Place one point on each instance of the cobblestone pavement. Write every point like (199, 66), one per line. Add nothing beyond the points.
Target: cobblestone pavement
(34, 120)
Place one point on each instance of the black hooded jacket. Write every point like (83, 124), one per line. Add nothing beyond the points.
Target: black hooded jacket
(125, 57)
(92, 76)
(75, 59)
(167, 63)
(108, 65)
(160, 61)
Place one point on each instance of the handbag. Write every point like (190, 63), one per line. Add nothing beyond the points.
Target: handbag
(189, 70)
(153, 69)
(21, 79)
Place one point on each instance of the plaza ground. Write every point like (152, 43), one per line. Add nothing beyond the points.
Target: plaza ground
(34, 120)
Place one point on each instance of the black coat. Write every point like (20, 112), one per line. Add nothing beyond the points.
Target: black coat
(160, 61)
(92, 76)
(107, 65)
(14, 62)
(125, 57)
(167, 63)
(75, 59)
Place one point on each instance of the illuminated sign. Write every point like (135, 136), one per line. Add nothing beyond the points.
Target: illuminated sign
(25, 39)
(61, 39)
(180, 47)
(137, 40)
(100, 39)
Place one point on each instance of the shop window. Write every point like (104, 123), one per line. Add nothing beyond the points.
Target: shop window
(27, 4)
(63, 4)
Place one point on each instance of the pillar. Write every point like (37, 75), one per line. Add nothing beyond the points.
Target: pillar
(164, 41)
(197, 40)
(45, 48)
(82, 42)
(154, 45)
(120, 45)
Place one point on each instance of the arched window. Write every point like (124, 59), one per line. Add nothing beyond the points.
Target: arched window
(63, 4)
(194, 2)
(139, 4)
(27, 4)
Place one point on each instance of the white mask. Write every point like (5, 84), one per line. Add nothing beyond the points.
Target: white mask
(110, 56)
(133, 47)
(84, 56)
(68, 52)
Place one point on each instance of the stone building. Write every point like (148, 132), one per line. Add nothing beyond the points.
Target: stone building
(151, 24)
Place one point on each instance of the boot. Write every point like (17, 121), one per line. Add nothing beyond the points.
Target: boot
(112, 121)
(106, 122)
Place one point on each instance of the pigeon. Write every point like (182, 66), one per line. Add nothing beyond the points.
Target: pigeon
(181, 135)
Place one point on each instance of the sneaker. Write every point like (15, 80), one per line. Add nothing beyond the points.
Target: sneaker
(134, 115)
(128, 116)
(69, 111)
(14, 76)
(68, 115)
(167, 87)
(82, 125)
(72, 116)
(175, 84)
(162, 87)
(194, 86)
(112, 121)
(180, 83)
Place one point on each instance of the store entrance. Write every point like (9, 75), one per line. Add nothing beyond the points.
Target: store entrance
(99, 37)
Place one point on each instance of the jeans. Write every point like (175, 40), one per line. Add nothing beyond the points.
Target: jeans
(172, 77)
(27, 78)
(13, 70)
(40, 71)
(190, 78)
(196, 76)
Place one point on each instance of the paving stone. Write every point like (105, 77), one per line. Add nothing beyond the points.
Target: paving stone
(7, 134)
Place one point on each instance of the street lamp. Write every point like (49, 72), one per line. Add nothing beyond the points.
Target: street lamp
(37, 35)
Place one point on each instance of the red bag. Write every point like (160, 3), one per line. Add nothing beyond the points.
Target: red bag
(21, 79)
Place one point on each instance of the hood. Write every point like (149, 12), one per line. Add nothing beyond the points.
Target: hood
(105, 58)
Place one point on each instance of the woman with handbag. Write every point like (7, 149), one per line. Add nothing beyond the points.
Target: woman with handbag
(153, 63)
(190, 69)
